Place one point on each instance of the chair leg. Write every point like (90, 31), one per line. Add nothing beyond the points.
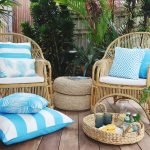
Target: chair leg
(93, 96)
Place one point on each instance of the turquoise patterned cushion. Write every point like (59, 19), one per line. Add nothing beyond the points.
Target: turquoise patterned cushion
(10, 67)
(22, 103)
(21, 127)
(126, 63)
(145, 64)
(15, 50)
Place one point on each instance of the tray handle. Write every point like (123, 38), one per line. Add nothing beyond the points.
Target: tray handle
(101, 106)
(130, 126)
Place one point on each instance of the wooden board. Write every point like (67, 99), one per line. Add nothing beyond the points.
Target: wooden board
(69, 138)
(51, 140)
(130, 147)
(145, 142)
(28, 145)
(108, 147)
(85, 143)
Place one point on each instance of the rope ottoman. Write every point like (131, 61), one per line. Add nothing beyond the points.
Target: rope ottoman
(72, 93)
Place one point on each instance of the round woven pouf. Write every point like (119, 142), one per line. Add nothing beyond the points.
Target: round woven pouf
(72, 93)
(69, 102)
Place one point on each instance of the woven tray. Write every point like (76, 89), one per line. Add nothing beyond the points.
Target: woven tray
(111, 138)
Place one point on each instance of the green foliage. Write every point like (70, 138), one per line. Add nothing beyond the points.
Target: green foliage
(27, 29)
(130, 6)
(145, 96)
(86, 57)
(110, 35)
(4, 4)
(136, 9)
(97, 28)
(145, 12)
(53, 30)
(78, 6)
(101, 25)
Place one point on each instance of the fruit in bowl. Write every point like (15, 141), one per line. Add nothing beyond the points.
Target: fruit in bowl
(111, 128)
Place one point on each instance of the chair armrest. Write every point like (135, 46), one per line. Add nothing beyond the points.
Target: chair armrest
(148, 77)
(101, 68)
(43, 68)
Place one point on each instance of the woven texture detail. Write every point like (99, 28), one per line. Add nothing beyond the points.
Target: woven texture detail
(42, 67)
(101, 68)
(107, 137)
(69, 102)
(67, 86)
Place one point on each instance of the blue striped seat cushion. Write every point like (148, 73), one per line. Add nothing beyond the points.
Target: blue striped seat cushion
(15, 50)
(16, 128)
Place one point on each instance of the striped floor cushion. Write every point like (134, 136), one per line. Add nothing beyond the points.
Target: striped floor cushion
(16, 128)
(15, 50)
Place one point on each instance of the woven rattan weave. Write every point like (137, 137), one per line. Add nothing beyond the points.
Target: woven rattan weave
(100, 90)
(43, 68)
(111, 138)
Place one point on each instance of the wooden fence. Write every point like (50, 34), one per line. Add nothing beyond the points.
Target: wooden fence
(21, 14)
(6, 21)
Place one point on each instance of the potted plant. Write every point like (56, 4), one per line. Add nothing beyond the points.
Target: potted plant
(86, 57)
(96, 15)
(145, 97)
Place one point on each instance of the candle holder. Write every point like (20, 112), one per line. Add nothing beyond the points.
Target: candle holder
(107, 118)
(99, 120)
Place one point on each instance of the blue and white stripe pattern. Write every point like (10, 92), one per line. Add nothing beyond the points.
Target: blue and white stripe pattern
(16, 128)
(15, 50)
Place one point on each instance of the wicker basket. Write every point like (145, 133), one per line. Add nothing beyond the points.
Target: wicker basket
(111, 138)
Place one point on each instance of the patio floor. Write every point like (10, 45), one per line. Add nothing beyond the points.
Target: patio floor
(73, 138)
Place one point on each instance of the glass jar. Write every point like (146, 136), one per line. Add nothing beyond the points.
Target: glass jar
(123, 106)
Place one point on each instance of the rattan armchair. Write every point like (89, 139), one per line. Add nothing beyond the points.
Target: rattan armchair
(101, 91)
(43, 68)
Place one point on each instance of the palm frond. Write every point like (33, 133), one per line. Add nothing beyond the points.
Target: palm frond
(101, 24)
(4, 11)
(76, 5)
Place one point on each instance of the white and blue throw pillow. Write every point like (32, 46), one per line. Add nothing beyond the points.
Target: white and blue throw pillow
(10, 67)
(15, 50)
(22, 103)
(16, 128)
(145, 64)
(126, 63)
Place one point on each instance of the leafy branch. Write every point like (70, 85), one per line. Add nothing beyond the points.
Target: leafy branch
(145, 96)
(4, 11)
(85, 9)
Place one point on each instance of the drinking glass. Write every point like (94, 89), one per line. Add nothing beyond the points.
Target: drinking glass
(99, 120)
